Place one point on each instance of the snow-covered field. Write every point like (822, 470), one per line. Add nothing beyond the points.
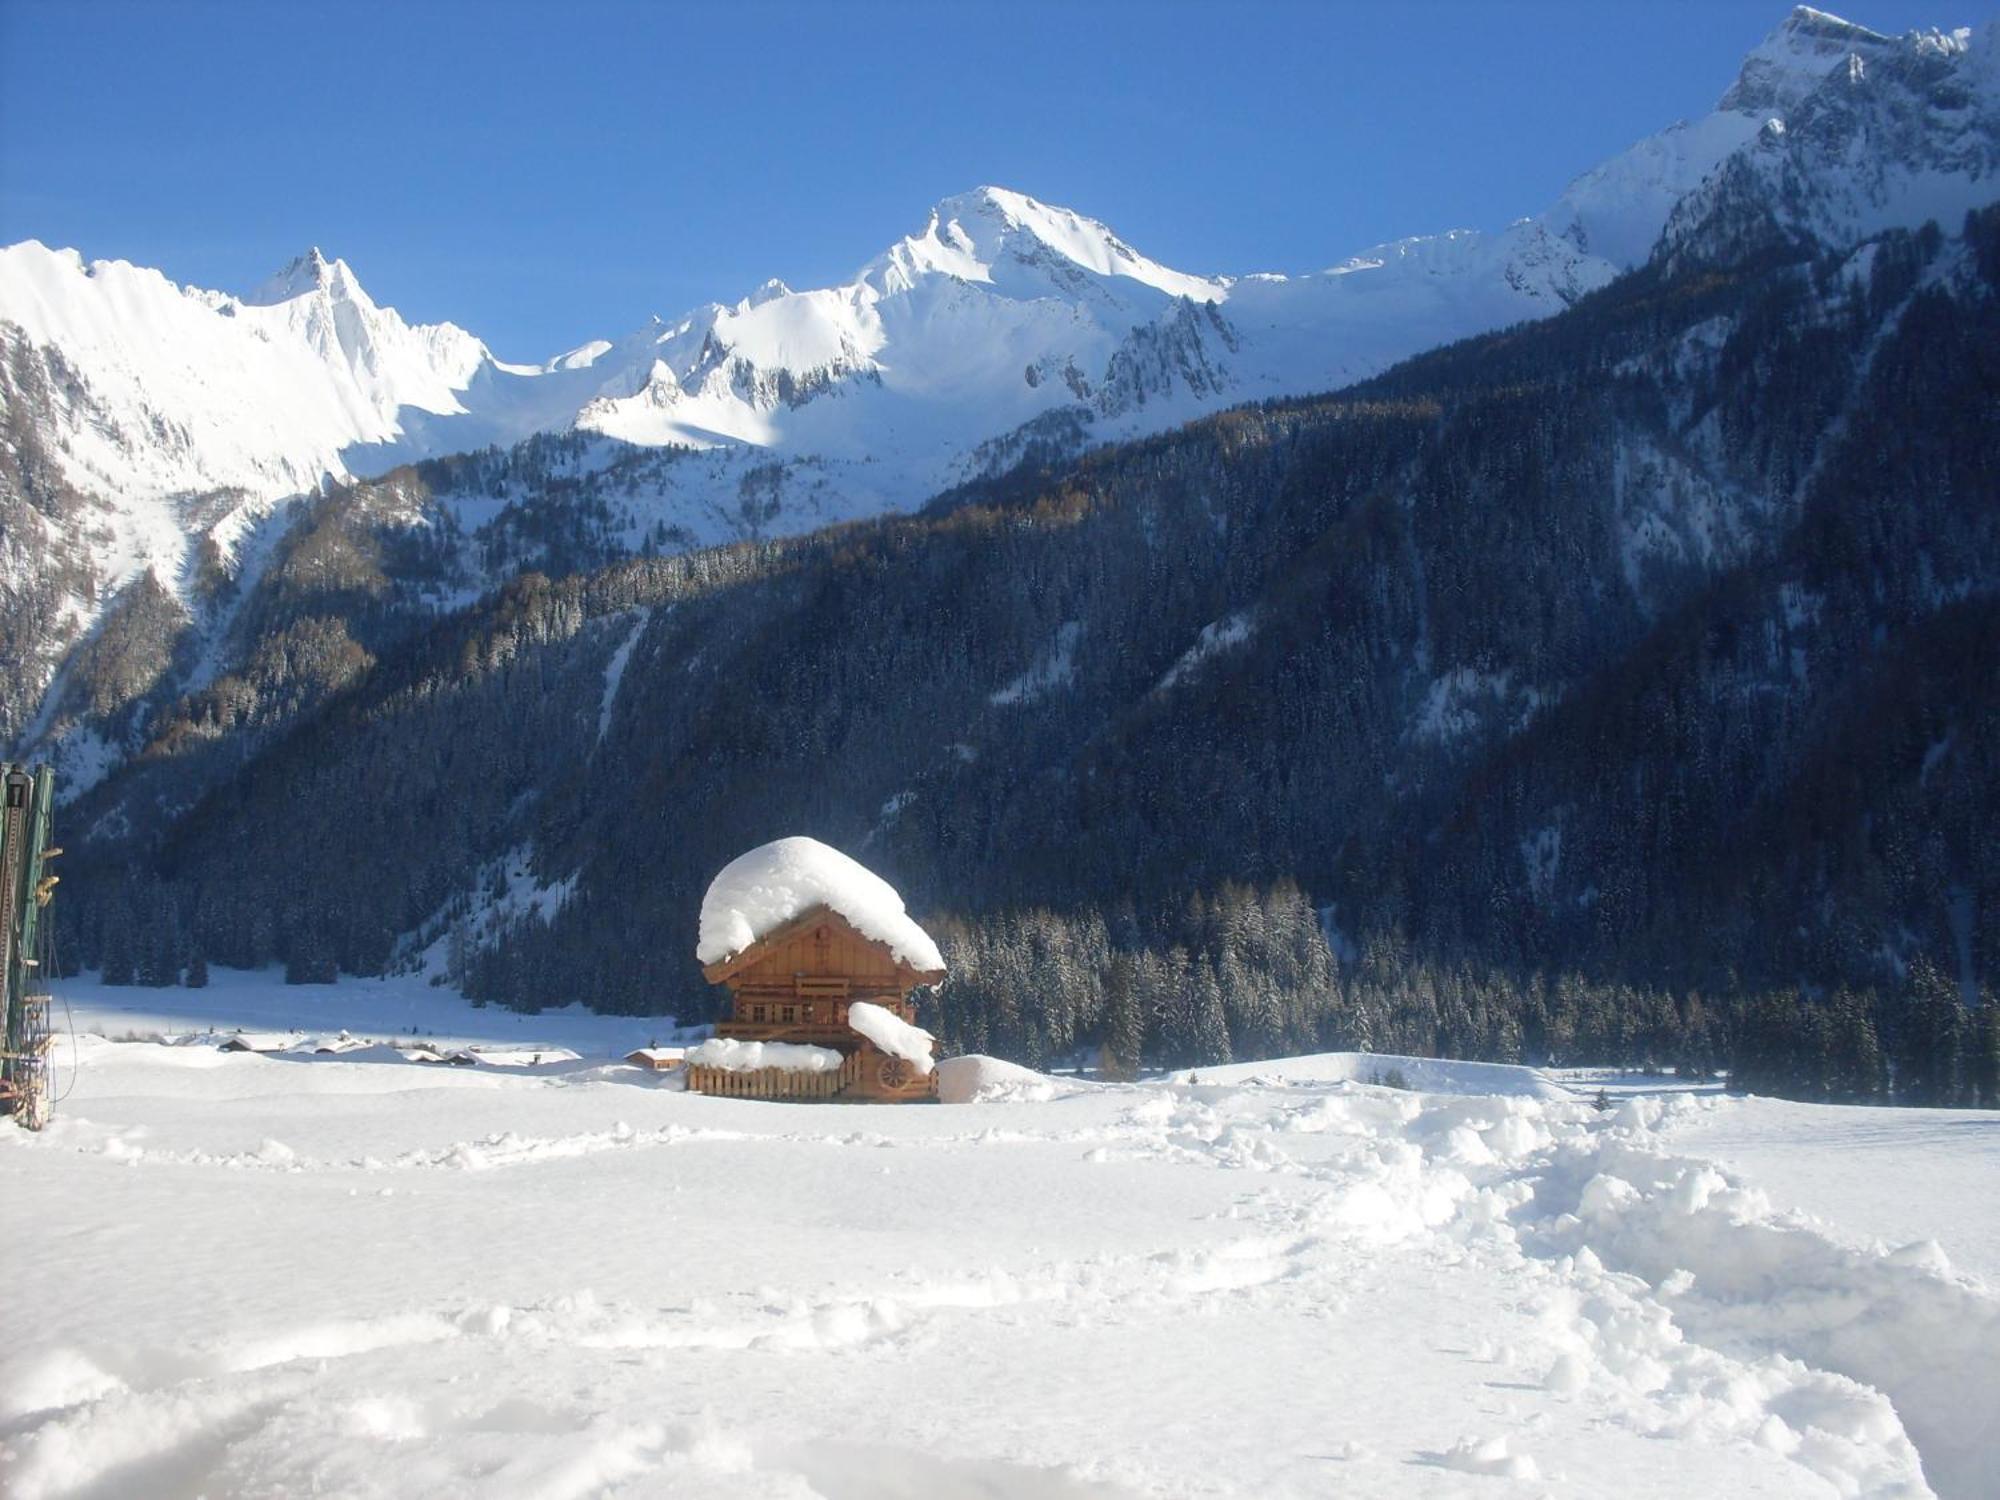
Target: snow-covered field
(233, 1274)
(404, 1007)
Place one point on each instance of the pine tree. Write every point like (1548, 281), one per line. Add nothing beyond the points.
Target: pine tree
(159, 955)
(1124, 1029)
(1857, 1073)
(1208, 1023)
(1983, 1055)
(312, 962)
(1164, 982)
(1930, 1038)
(118, 968)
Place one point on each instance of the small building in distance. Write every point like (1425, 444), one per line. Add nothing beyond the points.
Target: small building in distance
(657, 1059)
(265, 1042)
(821, 960)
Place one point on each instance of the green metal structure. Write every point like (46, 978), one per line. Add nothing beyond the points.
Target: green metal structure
(27, 802)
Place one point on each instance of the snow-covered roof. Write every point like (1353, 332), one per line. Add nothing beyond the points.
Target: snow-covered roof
(260, 1041)
(759, 892)
(513, 1057)
(341, 1043)
(657, 1054)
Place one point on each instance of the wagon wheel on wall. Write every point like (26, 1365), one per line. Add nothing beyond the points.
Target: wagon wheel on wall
(892, 1073)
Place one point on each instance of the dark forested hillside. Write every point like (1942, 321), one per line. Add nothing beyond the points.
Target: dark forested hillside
(1624, 685)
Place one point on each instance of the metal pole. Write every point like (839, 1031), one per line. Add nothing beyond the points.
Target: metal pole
(24, 835)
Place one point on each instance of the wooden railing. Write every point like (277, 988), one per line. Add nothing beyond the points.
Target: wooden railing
(774, 1083)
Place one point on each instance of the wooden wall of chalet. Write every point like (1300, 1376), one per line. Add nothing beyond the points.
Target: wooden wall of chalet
(822, 947)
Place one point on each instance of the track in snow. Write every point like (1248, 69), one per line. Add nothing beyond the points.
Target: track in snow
(264, 1277)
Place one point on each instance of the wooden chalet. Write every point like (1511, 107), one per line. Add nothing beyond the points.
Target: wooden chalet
(657, 1059)
(795, 984)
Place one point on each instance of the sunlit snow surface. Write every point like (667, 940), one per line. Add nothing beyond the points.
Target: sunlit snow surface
(238, 1274)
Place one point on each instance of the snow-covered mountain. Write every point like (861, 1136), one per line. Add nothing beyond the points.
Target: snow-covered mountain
(179, 389)
(145, 426)
(150, 424)
(1857, 133)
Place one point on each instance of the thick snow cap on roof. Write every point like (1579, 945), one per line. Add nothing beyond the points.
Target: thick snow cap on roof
(759, 892)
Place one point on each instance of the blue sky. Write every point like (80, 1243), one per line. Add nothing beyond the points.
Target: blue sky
(543, 174)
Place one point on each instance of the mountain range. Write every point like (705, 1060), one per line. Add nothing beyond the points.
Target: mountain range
(1494, 644)
(155, 429)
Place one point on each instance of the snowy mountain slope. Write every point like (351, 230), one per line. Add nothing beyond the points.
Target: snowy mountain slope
(996, 310)
(197, 390)
(174, 418)
(1861, 132)
(151, 426)
(1002, 309)
(1313, 1285)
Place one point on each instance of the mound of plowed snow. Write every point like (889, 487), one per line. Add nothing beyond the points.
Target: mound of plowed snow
(1429, 1075)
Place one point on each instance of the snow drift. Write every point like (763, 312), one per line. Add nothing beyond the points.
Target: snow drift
(1431, 1075)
